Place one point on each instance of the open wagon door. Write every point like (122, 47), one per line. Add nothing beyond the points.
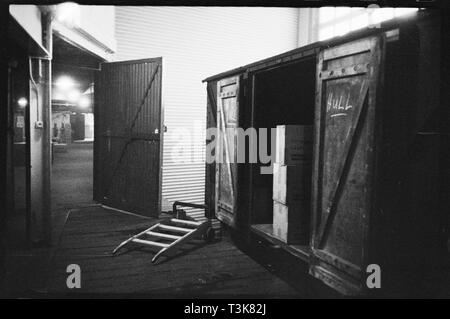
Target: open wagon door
(346, 141)
(226, 149)
(128, 136)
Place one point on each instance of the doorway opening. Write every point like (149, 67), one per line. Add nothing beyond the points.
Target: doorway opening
(117, 164)
(18, 174)
(283, 95)
(73, 76)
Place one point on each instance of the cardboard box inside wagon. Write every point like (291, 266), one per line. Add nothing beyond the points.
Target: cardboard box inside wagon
(293, 144)
(291, 184)
(291, 223)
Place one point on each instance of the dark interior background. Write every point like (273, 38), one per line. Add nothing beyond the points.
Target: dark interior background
(283, 96)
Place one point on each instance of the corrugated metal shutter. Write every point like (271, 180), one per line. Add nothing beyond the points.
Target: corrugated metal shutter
(196, 42)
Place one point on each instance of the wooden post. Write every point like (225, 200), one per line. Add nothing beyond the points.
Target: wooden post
(47, 118)
(444, 174)
(4, 12)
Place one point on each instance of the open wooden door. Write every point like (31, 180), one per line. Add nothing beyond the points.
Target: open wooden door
(210, 169)
(128, 136)
(226, 149)
(345, 156)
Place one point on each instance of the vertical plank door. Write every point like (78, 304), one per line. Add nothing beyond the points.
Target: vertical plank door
(345, 152)
(226, 149)
(128, 136)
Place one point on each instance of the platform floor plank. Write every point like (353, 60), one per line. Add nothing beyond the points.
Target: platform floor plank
(198, 269)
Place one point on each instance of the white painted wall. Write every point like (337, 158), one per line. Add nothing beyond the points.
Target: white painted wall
(88, 27)
(99, 22)
(29, 18)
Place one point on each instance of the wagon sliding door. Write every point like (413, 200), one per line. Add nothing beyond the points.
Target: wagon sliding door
(128, 136)
(347, 83)
(226, 154)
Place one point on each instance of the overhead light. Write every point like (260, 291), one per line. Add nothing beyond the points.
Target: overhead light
(73, 96)
(22, 102)
(57, 95)
(65, 83)
(68, 13)
(84, 102)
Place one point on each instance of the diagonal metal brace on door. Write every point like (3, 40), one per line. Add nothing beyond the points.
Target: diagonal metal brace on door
(132, 138)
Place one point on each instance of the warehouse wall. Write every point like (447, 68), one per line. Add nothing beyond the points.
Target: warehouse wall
(29, 18)
(196, 42)
(98, 22)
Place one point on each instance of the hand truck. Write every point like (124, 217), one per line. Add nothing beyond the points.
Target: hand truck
(176, 231)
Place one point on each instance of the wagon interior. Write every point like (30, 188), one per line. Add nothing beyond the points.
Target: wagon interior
(281, 96)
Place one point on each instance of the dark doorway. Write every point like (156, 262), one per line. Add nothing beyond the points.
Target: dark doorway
(18, 212)
(120, 166)
(73, 74)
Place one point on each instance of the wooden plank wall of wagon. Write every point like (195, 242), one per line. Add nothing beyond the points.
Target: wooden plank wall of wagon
(210, 170)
